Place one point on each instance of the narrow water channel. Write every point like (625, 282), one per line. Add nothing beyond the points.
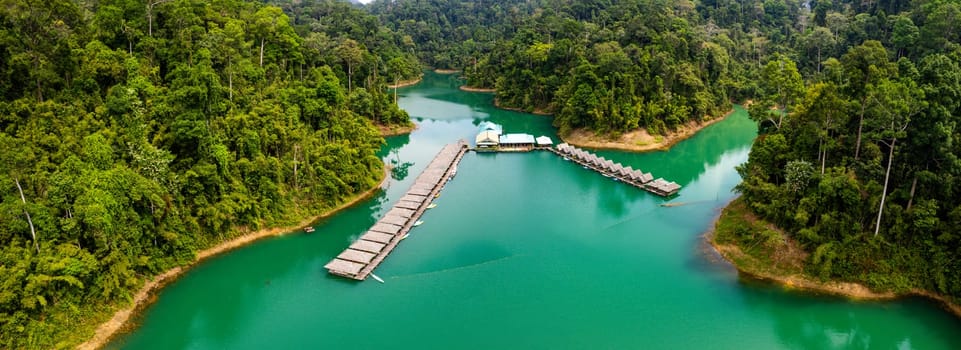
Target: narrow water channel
(524, 251)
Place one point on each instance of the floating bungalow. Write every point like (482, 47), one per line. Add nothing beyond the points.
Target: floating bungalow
(617, 171)
(516, 142)
(364, 255)
(491, 138)
(543, 142)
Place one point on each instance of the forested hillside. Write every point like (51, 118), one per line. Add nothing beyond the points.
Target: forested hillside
(859, 160)
(858, 103)
(608, 66)
(134, 135)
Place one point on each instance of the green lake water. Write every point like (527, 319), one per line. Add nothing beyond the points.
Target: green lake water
(524, 251)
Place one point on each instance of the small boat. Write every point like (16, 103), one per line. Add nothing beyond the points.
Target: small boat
(585, 167)
(419, 222)
(606, 175)
(432, 206)
(565, 158)
(376, 278)
(616, 179)
(405, 236)
(309, 229)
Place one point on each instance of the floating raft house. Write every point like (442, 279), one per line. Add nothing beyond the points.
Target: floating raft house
(608, 168)
(364, 255)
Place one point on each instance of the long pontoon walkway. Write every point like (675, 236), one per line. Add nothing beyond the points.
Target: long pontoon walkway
(608, 168)
(363, 256)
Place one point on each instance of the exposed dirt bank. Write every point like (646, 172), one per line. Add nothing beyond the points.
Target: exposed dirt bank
(404, 83)
(638, 140)
(476, 89)
(394, 130)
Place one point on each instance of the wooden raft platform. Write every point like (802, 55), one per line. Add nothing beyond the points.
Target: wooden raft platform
(363, 256)
(608, 168)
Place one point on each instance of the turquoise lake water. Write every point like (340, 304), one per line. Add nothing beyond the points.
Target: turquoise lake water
(524, 251)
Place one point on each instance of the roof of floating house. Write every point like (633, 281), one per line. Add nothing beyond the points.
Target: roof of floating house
(356, 256)
(398, 211)
(486, 138)
(617, 169)
(344, 266)
(515, 139)
(608, 164)
(378, 237)
(385, 228)
(394, 220)
(544, 141)
(367, 246)
(413, 198)
(647, 177)
(489, 126)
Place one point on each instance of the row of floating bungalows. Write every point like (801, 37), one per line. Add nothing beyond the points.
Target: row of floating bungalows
(364, 254)
(627, 174)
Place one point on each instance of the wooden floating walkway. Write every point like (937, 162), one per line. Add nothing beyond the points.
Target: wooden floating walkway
(608, 168)
(363, 256)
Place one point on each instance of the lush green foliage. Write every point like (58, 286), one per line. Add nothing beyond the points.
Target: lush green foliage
(133, 136)
(368, 54)
(861, 162)
(609, 66)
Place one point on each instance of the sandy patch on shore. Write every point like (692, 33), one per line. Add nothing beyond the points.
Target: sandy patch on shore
(394, 130)
(404, 83)
(475, 89)
(638, 140)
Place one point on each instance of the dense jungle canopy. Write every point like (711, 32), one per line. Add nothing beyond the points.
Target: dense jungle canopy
(134, 133)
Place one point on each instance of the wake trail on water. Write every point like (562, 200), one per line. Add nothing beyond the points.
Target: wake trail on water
(648, 212)
(680, 204)
(455, 268)
(628, 220)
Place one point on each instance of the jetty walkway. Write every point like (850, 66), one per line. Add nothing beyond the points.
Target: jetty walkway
(366, 253)
(610, 169)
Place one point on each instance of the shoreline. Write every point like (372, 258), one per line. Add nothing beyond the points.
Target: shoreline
(732, 253)
(404, 83)
(629, 141)
(584, 138)
(446, 71)
(475, 89)
(388, 130)
(515, 109)
(146, 295)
